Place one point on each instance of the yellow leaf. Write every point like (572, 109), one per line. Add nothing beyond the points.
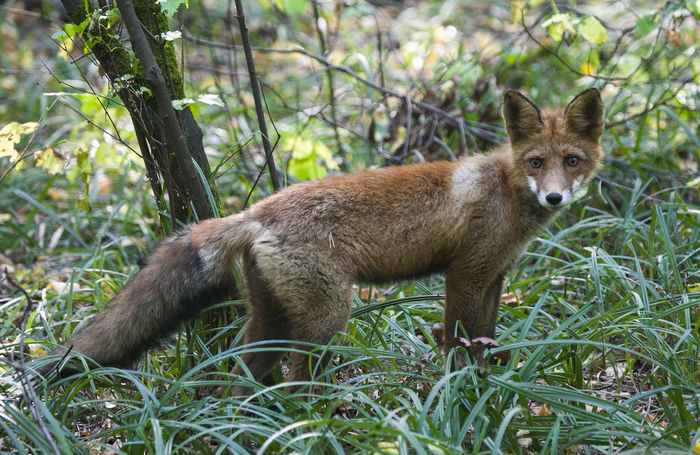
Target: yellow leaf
(27, 128)
(388, 447)
(587, 68)
(544, 411)
(50, 160)
(11, 135)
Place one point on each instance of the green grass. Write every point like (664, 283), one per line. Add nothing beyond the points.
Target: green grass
(603, 336)
(601, 318)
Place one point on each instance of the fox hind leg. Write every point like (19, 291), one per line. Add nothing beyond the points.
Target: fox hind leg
(326, 313)
(269, 321)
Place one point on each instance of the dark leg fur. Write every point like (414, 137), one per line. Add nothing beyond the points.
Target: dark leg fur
(332, 318)
(463, 306)
(486, 324)
(269, 321)
(470, 314)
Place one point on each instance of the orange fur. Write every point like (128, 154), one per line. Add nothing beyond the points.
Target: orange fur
(303, 248)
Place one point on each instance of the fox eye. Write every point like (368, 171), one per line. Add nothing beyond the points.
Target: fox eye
(572, 161)
(536, 163)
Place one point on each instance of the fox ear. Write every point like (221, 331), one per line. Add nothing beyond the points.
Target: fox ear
(521, 116)
(585, 115)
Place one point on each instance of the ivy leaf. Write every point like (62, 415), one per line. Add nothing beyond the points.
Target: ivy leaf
(60, 36)
(181, 104)
(169, 7)
(593, 31)
(645, 25)
(112, 16)
(210, 99)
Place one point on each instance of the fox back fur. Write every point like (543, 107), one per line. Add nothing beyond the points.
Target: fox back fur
(304, 247)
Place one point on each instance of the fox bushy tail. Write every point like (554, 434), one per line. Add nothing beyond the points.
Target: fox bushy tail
(185, 274)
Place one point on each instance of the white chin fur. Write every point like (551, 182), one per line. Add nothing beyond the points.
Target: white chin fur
(566, 197)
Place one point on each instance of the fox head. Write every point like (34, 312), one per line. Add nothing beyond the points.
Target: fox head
(555, 152)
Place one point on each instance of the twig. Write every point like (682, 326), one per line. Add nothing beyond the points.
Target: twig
(255, 88)
(409, 114)
(285, 105)
(477, 128)
(331, 89)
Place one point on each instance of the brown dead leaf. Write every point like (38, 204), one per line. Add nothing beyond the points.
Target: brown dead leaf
(463, 342)
(674, 37)
(485, 342)
(510, 298)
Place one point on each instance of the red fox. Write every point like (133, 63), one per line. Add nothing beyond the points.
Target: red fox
(304, 247)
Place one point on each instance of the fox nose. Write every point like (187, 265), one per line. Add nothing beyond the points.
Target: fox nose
(553, 198)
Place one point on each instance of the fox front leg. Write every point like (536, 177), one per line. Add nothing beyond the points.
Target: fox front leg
(464, 307)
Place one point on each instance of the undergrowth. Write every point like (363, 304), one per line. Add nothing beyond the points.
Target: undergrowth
(600, 319)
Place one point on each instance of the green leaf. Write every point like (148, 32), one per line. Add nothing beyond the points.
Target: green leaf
(210, 99)
(180, 104)
(558, 25)
(112, 16)
(60, 36)
(295, 6)
(305, 156)
(686, 128)
(593, 31)
(84, 167)
(645, 25)
(266, 4)
(76, 29)
(169, 7)
(84, 200)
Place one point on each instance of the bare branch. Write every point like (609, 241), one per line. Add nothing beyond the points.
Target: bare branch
(255, 87)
